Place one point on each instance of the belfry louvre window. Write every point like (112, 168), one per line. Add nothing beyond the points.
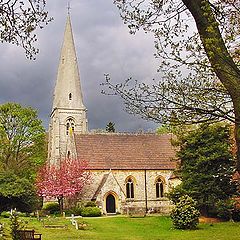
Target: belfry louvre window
(130, 188)
(159, 188)
(70, 126)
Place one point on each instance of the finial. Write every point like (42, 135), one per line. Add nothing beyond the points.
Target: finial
(68, 8)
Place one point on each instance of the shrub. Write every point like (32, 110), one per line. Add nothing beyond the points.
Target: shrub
(15, 225)
(91, 212)
(5, 214)
(90, 204)
(224, 209)
(76, 210)
(52, 207)
(185, 215)
(236, 215)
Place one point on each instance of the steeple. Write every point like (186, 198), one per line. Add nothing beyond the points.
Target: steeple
(68, 92)
(68, 113)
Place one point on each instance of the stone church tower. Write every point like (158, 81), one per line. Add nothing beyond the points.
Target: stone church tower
(68, 112)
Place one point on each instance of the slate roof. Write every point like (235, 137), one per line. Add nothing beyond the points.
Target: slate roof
(126, 151)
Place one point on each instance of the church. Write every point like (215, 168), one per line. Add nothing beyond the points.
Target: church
(130, 172)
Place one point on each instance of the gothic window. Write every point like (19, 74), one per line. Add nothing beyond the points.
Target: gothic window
(70, 96)
(70, 126)
(130, 188)
(159, 188)
(68, 154)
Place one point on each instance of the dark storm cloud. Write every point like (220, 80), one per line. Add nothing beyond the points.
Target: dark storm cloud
(103, 45)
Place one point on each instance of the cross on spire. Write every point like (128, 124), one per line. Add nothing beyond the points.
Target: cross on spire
(68, 8)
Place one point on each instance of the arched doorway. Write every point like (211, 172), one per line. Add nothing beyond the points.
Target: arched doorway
(110, 204)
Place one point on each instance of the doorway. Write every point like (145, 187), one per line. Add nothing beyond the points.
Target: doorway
(110, 204)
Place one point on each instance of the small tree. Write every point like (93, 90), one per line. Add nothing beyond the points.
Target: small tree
(15, 225)
(185, 214)
(64, 180)
(110, 127)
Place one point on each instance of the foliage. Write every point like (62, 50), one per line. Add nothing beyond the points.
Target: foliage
(185, 214)
(22, 138)
(64, 180)
(199, 66)
(207, 166)
(91, 212)
(77, 210)
(236, 215)
(17, 192)
(5, 214)
(19, 20)
(15, 225)
(2, 231)
(90, 204)
(110, 127)
(52, 207)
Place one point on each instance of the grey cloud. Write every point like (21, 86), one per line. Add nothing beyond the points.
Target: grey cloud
(103, 45)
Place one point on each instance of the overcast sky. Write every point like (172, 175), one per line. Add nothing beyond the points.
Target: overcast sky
(103, 45)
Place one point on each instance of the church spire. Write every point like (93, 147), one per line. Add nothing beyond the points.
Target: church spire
(68, 113)
(68, 92)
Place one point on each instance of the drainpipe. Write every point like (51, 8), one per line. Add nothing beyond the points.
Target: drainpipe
(146, 200)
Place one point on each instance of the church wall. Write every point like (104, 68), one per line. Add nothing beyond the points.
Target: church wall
(116, 185)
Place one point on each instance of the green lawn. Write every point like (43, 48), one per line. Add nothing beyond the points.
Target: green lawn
(125, 228)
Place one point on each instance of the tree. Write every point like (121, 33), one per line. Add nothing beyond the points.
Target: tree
(17, 192)
(207, 166)
(64, 180)
(19, 20)
(22, 139)
(200, 75)
(110, 127)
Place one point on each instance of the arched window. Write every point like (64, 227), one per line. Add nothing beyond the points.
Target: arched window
(70, 96)
(159, 188)
(130, 188)
(70, 126)
(68, 154)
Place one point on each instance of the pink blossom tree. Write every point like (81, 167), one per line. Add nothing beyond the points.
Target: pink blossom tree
(64, 180)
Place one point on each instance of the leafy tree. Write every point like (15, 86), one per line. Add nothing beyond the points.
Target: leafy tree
(110, 127)
(19, 20)
(64, 180)
(200, 75)
(17, 192)
(22, 139)
(207, 166)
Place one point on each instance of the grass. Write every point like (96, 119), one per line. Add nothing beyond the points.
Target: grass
(125, 228)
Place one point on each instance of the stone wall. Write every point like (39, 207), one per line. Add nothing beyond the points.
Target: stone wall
(113, 182)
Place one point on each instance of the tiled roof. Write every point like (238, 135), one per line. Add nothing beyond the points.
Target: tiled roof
(126, 151)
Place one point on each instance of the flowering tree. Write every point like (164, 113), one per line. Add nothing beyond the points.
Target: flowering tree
(63, 180)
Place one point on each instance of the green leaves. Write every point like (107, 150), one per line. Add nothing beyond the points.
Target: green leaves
(22, 138)
(185, 214)
(207, 165)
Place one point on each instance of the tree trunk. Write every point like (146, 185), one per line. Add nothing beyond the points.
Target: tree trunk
(219, 57)
(60, 202)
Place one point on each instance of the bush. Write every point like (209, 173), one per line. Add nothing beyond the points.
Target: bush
(236, 215)
(91, 212)
(223, 209)
(52, 207)
(90, 204)
(5, 214)
(76, 210)
(185, 215)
